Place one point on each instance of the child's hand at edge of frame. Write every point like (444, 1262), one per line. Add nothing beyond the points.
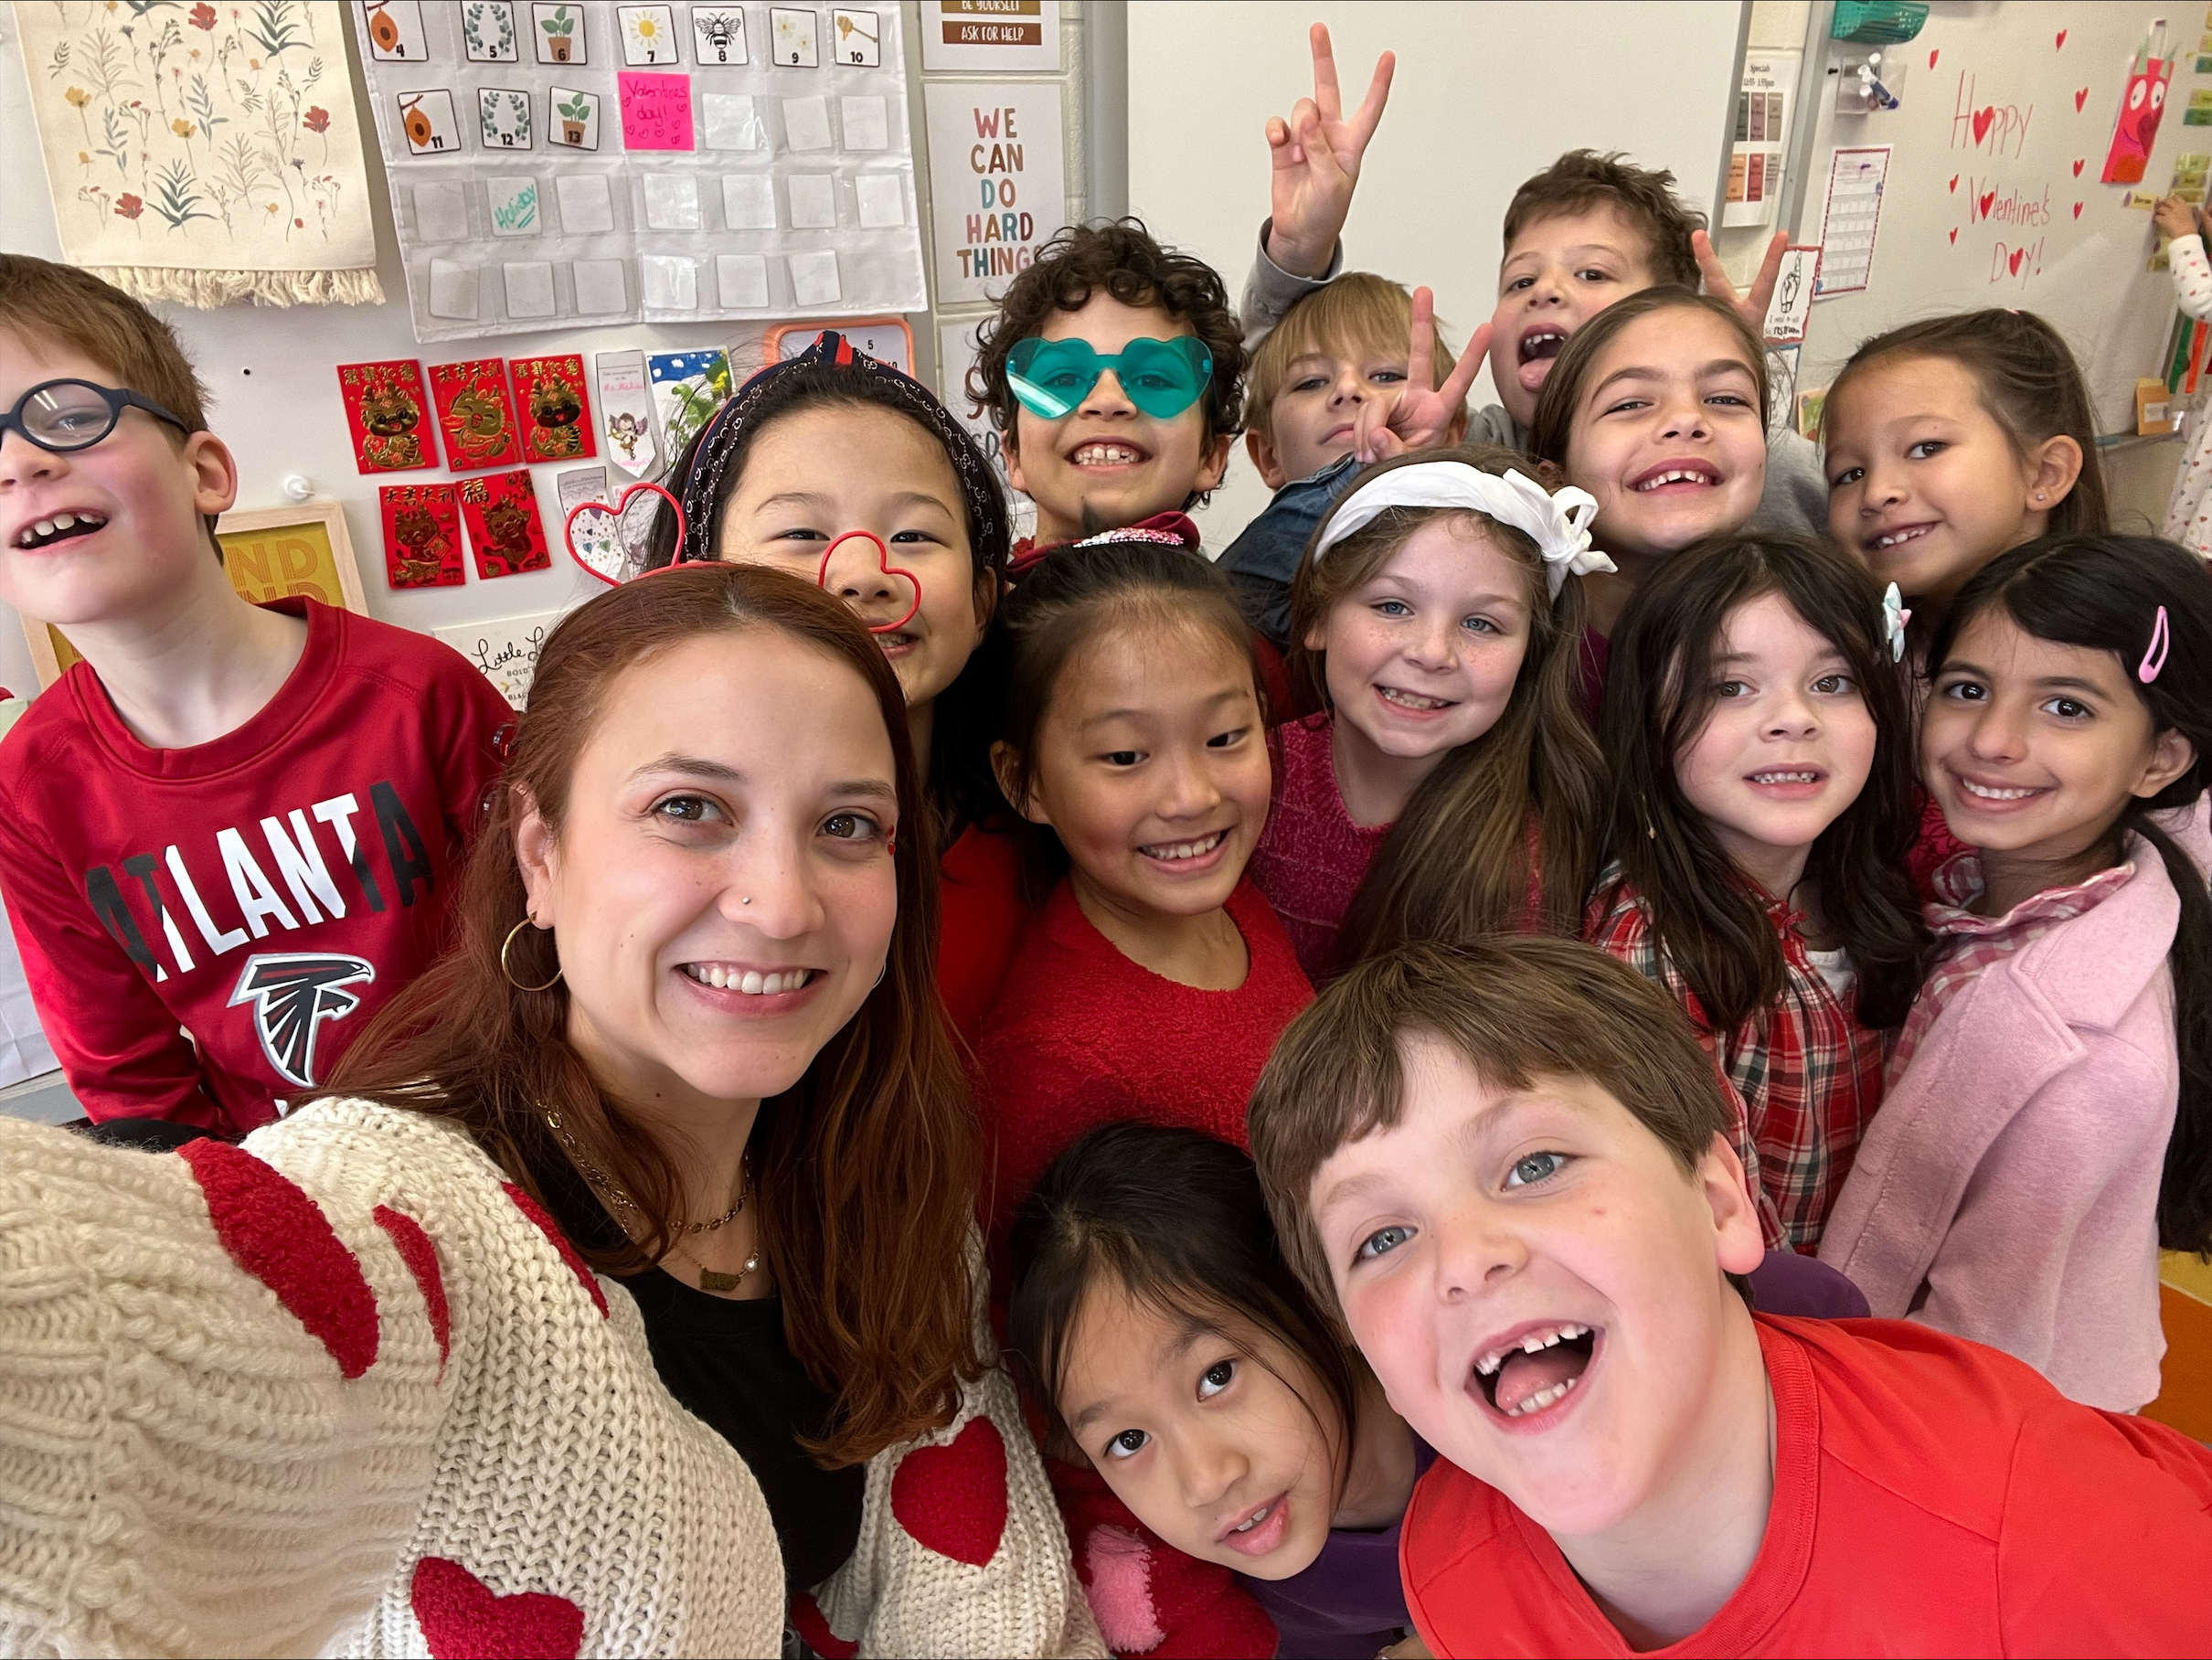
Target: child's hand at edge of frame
(1316, 157)
(2174, 217)
(1420, 418)
(1750, 306)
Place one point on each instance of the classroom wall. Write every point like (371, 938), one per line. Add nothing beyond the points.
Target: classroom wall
(1486, 95)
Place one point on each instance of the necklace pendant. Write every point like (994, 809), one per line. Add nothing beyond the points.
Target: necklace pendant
(709, 1280)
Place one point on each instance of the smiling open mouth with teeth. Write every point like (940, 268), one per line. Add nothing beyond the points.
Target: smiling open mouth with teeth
(1776, 777)
(1542, 343)
(1103, 455)
(1995, 792)
(62, 528)
(1896, 538)
(1540, 1369)
(1679, 475)
(1411, 701)
(751, 980)
(1168, 852)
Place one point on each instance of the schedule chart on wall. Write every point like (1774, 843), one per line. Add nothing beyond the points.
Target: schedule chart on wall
(566, 164)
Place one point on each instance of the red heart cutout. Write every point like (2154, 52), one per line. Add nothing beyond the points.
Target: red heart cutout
(1982, 117)
(883, 563)
(1954, 184)
(461, 1620)
(1987, 197)
(2077, 169)
(952, 1499)
(2080, 98)
(1931, 58)
(2059, 45)
(2077, 209)
(617, 554)
(2013, 264)
(1954, 236)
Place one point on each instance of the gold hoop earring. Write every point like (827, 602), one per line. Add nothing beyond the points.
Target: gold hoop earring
(508, 945)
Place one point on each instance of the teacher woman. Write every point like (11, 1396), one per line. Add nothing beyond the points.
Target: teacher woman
(623, 1296)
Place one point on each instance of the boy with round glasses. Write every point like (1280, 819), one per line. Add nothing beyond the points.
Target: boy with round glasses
(231, 831)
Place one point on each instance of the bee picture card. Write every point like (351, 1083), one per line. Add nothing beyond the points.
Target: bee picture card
(717, 34)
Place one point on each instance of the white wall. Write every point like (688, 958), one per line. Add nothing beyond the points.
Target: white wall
(1486, 95)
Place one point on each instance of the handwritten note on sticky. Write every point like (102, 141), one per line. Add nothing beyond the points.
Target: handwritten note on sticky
(656, 111)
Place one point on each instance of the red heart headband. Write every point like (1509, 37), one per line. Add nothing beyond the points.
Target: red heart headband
(883, 563)
(618, 512)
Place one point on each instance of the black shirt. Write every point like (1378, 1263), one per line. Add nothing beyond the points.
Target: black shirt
(727, 1363)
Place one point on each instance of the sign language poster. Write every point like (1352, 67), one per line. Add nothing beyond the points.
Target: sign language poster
(997, 181)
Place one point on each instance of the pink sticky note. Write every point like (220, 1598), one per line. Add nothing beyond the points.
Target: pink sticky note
(656, 111)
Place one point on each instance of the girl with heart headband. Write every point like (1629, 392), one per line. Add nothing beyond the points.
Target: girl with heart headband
(840, 469)
(1657, 406)
(2049, 1123)
(1759, 731)
(625, 1277)
(1449, 784)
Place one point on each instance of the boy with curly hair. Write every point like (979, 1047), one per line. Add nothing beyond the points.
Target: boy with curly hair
(1114, 373)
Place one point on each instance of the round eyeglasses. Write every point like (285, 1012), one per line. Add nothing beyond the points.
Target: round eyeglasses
(62, 416)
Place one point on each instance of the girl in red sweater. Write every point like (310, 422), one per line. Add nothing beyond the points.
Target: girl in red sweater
(1153, 980)
(1449, 786)
(841, 470)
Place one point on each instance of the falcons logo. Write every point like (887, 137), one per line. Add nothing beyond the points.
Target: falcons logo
(292, 993)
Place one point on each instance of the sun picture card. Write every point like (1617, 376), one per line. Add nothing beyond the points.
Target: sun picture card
(505, 533)
(687, 388)
(387, 415)
(422, 536)
(475, 414)
(555, 411)
(648, 34)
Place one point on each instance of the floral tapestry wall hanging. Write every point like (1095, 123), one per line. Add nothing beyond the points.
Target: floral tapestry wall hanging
(204, 151)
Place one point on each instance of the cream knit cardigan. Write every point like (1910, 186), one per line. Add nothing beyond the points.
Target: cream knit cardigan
(344, 1390)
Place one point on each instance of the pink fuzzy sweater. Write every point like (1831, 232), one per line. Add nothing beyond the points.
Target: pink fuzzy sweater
(1310, 857)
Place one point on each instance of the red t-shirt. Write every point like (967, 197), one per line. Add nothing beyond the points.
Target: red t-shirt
(267, 892)
(1081, 1036)
(980, 918)
(1932, 1497)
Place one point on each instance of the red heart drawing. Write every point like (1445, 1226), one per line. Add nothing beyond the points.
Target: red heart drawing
(2013, 264)
(615, 553)
(1987, 197)
(2077, 209)
(2059, 45)
(1954, 184)
(1931, 58)
(2077, 169)
(2080, 98)
(1954, 236)
(1982, 117)
(952, 1499)
(461, 1620)
(883, 564)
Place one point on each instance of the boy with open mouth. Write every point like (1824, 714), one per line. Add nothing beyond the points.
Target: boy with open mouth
(1504, 1163)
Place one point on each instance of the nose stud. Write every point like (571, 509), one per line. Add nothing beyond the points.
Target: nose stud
(745, 901)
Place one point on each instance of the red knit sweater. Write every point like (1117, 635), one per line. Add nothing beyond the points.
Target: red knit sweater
(1081, 1036)
(1310, 857)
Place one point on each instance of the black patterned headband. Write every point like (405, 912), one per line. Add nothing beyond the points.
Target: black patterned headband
(702, 486)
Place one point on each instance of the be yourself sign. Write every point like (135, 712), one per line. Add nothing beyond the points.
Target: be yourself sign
(995, 182)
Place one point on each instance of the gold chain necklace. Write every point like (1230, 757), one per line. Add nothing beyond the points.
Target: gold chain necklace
(710, 1279)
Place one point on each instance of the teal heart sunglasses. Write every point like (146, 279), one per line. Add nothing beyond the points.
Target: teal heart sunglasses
(1161, 377)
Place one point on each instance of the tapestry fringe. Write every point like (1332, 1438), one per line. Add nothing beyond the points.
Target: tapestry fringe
(206, 290)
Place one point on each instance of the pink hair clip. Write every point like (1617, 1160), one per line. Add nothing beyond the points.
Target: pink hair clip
(2155, 654)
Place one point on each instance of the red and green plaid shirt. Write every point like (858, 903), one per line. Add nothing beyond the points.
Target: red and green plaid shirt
(1810, 1076)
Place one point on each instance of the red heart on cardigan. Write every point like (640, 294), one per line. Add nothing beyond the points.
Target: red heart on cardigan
(808, 1620)
(422, 1259)
(613, 543)
(883, 566)
(551, 1229)
(462, 1619)
(952, 1499)
(281, 1237)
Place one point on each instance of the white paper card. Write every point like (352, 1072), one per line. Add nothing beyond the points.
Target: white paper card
(868, 124)
(442, 213)
(813, 278)
(806, 123)
(672, 201)
(748, 201)
(599, 287)
(670, 285)
(586, 205)
(530, 289)
(743, 280)
(733, 124)
(514, 211)
(452, 289)
(505, 651)
(883, 201)
(814, 201)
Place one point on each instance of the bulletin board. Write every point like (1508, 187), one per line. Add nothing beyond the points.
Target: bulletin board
(1991, 194)
(588, 165)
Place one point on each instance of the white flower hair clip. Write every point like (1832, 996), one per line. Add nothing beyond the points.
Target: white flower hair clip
(1558, 521)
(1895, 615)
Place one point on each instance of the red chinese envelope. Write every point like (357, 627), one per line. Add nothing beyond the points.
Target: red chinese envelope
(505, 531)
(555, 414)
(389, 416)
(422, 536)
(475, 414)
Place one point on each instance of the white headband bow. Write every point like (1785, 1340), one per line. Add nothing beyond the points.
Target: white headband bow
(1558, 523)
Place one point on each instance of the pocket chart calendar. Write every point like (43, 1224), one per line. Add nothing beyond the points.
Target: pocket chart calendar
(567, 165)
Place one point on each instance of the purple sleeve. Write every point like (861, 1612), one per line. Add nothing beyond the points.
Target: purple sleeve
(1787, 1283)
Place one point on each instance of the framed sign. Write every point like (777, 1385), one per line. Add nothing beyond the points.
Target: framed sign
(269, 554)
